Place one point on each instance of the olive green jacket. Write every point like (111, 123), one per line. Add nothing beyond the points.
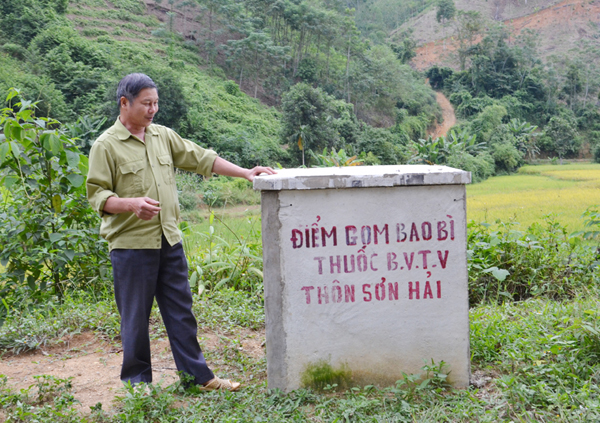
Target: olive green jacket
(122, 165)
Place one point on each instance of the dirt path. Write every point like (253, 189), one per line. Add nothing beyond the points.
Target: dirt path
(95, 364)
(448, 115)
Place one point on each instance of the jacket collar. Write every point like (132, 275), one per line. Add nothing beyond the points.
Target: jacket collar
(123, 133)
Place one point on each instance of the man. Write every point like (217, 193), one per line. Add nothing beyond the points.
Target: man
(131, 183)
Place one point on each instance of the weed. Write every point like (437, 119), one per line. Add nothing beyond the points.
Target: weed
(30, 325)
(227, 309)
(223, 191)
(321, 376)
(506, 264)
(49, 400)
(216, 262)
(146, 403)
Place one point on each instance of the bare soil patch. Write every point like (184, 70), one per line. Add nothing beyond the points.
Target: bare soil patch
(560, 26)
(95, 364)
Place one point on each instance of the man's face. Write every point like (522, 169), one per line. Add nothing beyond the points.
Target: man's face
(142, 109)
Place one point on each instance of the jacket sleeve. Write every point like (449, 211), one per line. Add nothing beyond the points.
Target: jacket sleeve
(100, 180)
(189, 156)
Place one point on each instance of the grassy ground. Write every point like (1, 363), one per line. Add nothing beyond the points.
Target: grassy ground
(228, 223)
(535, 361)
(532, 361)
(535, 191)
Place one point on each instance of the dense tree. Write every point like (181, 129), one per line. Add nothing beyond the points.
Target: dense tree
(445, 11)
(307, 120)
(378, 18)
(563, 132)
(469, 24)
(256, 56)
(406, 49)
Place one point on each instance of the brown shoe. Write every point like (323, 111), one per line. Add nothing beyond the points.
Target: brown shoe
(220, 384)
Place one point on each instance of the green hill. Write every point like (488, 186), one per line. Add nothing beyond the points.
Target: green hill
(208, 58)
(71, 65)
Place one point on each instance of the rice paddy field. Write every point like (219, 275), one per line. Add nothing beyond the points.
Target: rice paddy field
(535, 191)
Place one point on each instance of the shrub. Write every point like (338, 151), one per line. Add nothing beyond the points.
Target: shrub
(506, 264)
(222, 191)
(216, 263)
(39, 88)
(14, 50)
(308, 112)
(507, 157)
(597, 154)
(480, 166)
(48, 231)
(384, 145)
(438, 76)
(232, 88)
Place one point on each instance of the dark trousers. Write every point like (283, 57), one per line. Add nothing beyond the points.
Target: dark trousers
(139, 277)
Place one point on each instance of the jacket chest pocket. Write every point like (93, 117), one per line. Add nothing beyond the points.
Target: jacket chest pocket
(166, 167)
(132, 178)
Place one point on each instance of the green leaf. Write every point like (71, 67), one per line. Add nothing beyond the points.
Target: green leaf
(51, 142)
(83, 164)
(25, 105)
(55, 237)
(15, 148)
(55, 144)
(31, 283)
(17, 132)
(193, 279)
(25, 114)
(9, 181)
(4, 149)
(76, 180)
(495, 241)
(499, 274)
(45, 140)
(256, 272)
(72, 158)
(70, 254)
(221, 283)
(11, 94)
(7, 130)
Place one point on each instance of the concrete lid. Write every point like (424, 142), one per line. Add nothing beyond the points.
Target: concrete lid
(361, 177)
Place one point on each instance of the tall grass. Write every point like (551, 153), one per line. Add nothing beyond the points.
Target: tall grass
(565, 191)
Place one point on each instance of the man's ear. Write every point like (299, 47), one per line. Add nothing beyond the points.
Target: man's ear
(123, 101)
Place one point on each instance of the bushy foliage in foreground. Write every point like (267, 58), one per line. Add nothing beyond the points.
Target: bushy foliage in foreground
(49, 232)
(507, 264)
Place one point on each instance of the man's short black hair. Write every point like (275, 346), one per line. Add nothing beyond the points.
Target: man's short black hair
(131, 85)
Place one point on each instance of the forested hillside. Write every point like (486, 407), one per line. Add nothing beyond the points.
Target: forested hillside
(327, 84)
(522, 75)
(325, 74)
